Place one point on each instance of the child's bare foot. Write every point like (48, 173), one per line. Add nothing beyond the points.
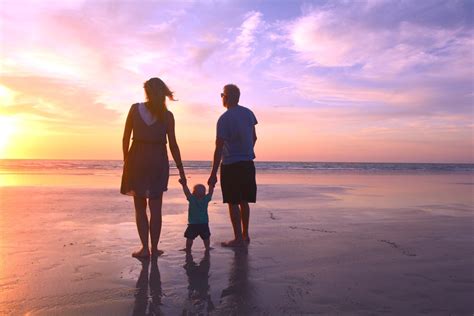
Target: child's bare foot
(233, 243)
(141, 254)
(156, 253)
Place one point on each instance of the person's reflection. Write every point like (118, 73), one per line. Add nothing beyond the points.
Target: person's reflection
(148, 304)
(236, 299)
(198, 301)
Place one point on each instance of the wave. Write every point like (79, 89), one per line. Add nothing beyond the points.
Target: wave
(67, 166)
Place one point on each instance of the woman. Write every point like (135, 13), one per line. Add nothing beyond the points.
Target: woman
(146, 167)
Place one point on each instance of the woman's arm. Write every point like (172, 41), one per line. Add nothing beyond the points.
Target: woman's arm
(174, 146)
(127, 133)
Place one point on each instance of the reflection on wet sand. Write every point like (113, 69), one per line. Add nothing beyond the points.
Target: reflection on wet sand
(148, 294)
(198, 301)
(238, 297)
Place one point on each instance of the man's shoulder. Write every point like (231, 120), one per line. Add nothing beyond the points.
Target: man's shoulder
(235, 113)
(246, 110)
(223, 118)
(243, 108)
(224, 115)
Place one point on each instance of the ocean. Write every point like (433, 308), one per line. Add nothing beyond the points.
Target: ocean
(94, 167)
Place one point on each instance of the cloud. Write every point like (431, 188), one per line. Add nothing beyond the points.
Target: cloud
(316, 41)
(410, 62)
(245, 40)
(204, 48)
(345, 37)
(56, 102)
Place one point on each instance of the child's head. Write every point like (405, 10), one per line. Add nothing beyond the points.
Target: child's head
(199, 191)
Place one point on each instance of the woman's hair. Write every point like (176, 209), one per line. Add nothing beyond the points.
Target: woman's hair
(156, 91)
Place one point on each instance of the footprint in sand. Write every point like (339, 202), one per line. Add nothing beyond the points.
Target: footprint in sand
(394, 245)
(313, 229)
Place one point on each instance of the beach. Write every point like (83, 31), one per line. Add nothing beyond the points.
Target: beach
(322, 243)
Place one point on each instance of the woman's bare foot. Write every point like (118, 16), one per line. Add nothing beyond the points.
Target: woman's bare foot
(156, 253)
(247, 240)
(233, 243)
(141, 254)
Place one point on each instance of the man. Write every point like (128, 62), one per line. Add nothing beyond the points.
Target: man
(235, 141)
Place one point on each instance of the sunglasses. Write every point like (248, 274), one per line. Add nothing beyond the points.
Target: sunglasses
(223, 95)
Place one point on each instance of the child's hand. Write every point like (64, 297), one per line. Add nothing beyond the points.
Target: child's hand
(182, 181)
(211, 189)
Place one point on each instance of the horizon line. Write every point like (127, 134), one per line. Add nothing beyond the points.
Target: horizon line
(258, 161)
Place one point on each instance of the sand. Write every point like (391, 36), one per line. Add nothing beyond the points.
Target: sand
(322, 244)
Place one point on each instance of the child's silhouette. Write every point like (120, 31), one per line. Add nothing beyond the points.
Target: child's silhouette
(198, 219)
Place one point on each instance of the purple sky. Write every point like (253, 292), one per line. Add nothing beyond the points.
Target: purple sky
(328, 81)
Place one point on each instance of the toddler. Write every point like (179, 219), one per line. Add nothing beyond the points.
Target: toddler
(198, 219)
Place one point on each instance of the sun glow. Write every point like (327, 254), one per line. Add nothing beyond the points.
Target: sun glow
(8, 126)
(6, 95)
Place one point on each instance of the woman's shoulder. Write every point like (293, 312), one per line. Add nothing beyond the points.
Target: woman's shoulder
(137, 104)
(169, 119)
(169, 114)
(134, 106)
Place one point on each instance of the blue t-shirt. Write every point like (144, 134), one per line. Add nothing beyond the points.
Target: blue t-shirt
(236, 127)
(197, 210)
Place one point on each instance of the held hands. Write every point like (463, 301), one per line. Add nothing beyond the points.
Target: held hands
(182, 176)
(212, 180)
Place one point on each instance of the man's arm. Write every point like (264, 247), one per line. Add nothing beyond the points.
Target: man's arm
(185, 188)
(216, 161)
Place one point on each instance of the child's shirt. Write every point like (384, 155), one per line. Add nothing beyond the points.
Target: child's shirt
(197, 211)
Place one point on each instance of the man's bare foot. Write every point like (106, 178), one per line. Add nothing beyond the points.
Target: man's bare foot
(156, 253)
(185, 249)
(233, 243)
(141, 254)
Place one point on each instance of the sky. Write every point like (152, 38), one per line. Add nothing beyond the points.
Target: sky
(376, 81)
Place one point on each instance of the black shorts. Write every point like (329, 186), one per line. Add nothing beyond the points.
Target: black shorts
(238, 182)
(195, 230)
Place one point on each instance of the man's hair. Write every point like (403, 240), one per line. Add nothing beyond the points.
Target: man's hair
(233, 93)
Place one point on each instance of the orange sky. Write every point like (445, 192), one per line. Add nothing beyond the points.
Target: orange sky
(393, 90)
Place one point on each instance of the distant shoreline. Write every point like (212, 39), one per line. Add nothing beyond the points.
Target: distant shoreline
(115, 166)
(256, 161)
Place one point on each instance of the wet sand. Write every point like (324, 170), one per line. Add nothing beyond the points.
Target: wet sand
(325, 244)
